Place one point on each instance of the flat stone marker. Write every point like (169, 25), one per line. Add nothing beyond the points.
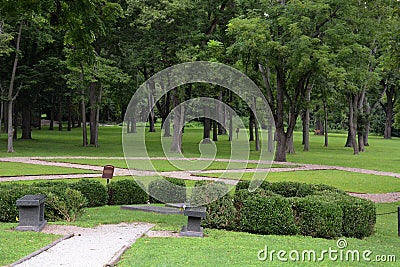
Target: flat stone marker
(31, 213)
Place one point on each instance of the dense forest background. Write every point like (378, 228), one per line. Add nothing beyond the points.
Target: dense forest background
(323, 65)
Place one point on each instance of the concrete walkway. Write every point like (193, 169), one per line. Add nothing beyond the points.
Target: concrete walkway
(101, 246)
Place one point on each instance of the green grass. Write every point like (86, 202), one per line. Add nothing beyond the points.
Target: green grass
(165, 165)
(219, 248)
(348, 181)
(224, 248)
(15, 244)
(21, 169)
(380, 155)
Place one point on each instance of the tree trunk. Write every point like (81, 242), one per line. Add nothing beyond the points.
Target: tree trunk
(84, 129)
(69, 109)
(215, 130)
(207, 126)
(93, 111)
(389, 112)
(59, 113)
(166, 122)
(15, 122)
(52, 111)
(270, 139)
(11, 97)
(325, 124)
(306, 122)
(280, 154)
(97, 119)
(257, 145)
(26, 122)
(361, 147)
(133, 124)
(150, 99)
(221, 115)
(251, 126)
(178, 124)
(353, 122)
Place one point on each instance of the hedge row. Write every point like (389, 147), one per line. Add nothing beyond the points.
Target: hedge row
(293, 208)
(66, 201)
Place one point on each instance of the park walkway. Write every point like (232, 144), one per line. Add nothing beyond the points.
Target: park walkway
(188, 175)
(89, 247)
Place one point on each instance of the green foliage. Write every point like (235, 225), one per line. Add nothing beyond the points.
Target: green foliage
(221, 214)
(267, 215)
(359, 217)
(317, 217)
(125, 192)
(62, 203)
(168, 190)
(206, 192)
(67, 205)
(94, 191)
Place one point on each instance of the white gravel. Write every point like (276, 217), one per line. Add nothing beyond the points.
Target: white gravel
(90, 247)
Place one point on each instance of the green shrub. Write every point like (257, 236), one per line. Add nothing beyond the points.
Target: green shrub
(168, 190)
(94, 191)
(65, 206)
(359, 217)
(317, 217)
(125, 192)
(267, 215)
(205, 192)
(221, 214)
(62, 203)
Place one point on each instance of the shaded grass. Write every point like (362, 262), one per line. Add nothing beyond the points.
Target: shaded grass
(21, 169)
(348, 181)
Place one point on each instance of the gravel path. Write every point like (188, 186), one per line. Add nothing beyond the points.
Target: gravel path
(191, 175)
(96, 247)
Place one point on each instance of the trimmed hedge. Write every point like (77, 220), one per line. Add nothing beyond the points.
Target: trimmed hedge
(221, 214)
(267, 215)
(205, 192)
(62, 203)
(168, 190)
(125, 192)
(94, 191)
(317, 217)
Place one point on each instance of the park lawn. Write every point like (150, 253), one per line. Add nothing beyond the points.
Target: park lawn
(15, 245)
(380, 155)
(166, 166)
(23, 169)
(348, 181)
(219, 248)
(224, 248)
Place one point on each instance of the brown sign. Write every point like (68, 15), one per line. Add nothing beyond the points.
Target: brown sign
(108, 172)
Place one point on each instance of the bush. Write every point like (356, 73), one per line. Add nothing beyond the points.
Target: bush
(359, 217)
(67, 205)
(267, 215)
(168, 190)
(317, 217)
(94, 191)
(205, 192)
(125, 192)
(221, 214)
(62, 203)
